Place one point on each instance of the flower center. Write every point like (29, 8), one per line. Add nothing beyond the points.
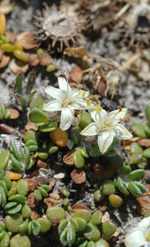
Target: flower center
(148, 234)
(66, 102)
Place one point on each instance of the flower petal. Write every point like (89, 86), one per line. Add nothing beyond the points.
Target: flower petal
(64, 85)
(79, 104)
(122, 133)
(90, 130)
(54, 105)
(66, 119)
(144, 224)
(98, 116)
(105, 139)
(101, 116)
(135, 238)
(53, 92)
(118, 114)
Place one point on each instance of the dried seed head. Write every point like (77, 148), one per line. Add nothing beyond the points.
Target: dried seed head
(99, 13)
(135, 26)
(51, 23)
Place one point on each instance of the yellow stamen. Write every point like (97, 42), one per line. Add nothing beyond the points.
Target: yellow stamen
(89, 102)
(98, 108)
(83, 94)
(148, 236)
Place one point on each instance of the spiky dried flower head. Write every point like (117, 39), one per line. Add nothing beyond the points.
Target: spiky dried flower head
(60, 28)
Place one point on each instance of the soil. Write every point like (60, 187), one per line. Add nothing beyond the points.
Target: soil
(131, 91)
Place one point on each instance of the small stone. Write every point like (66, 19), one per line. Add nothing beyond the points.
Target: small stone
(143, 205)
(78, 176)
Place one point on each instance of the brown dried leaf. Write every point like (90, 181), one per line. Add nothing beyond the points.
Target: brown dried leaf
(101, 88)
(68, 158)
(32, 184)
(27, 40)
(17, 66)
(128, 142)
(41, 164)
(77, 52)
(76, 74)
(148, 190)
(78, 176)
(127, 147)
(55, 221)
(53, 200)
(105, 217)
(45, 59)
(103, 206)
(34, 215)
(4, 61)
(52, 183)
(33, 60)
(10, 36)
(5, 7)
(30, 126)
(142, 205)
(14, 114)
(31, 201)
(144, 142)
(78, 206)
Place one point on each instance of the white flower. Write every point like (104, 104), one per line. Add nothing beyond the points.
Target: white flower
(66, 101)
(107, 126)
(139, 236)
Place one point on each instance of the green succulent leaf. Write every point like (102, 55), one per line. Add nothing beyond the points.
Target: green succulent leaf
(136, 175)
(38, 116)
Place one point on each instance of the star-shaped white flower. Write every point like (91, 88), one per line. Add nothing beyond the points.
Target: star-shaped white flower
(139, 236)
(66, 101)
(107, 126)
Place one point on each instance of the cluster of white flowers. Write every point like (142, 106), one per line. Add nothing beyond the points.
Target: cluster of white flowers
(139, 236)
(106, 125)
